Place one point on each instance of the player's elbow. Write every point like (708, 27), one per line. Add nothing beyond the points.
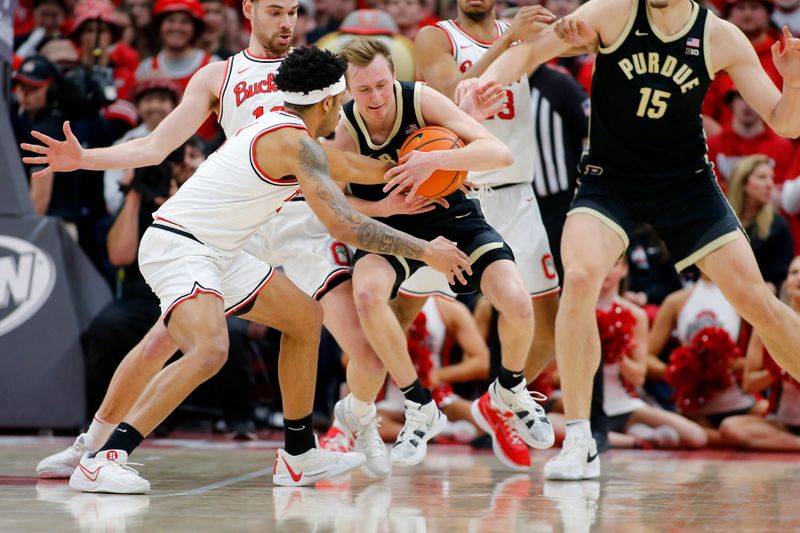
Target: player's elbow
(506, 156)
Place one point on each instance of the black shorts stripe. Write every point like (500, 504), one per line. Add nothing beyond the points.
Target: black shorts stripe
(176, 231)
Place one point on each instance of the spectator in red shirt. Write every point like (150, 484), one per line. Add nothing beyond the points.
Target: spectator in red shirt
(747, 134)
(180, 24)
(96, 33)
(752, 17)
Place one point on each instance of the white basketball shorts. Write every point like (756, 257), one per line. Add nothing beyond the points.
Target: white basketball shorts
(297, 240)
(178, 267)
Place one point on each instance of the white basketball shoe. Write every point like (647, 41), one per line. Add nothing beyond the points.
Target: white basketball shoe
(108, 471)
(577, 460)
(314, 465)
(529, 419)
(423, 422)
(63, 464)
(367, 439)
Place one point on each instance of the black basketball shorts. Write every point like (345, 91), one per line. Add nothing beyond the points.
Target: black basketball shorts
(464, 224)
(689, 212)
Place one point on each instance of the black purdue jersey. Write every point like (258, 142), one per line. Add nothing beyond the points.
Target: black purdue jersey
(647, 94)
(409, 119)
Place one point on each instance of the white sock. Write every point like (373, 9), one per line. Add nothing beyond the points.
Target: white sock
(98, 433)
(579, 427)
(358, 408)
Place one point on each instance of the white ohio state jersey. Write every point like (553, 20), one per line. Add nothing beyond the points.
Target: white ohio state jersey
(513, 125)
(229, 197)
(248, 91)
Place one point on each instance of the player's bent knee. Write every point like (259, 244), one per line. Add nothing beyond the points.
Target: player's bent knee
(157, 345)
(582, 281)
(367, 297)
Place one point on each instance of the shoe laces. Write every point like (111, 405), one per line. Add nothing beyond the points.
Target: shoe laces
(528, 401)
(127, 466)
(511, 432)
(415, 419)
(370, 438)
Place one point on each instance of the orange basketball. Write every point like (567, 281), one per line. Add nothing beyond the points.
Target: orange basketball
(442, 182)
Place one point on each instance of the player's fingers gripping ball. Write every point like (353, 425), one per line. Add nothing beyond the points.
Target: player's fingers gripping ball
(429, 139)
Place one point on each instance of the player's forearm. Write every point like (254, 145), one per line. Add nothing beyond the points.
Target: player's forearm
(510, 66)
(476, 70)
(481, 154)
(135, 153)
(355, 168)
(366, 207)
(342, 221)
(786, 113)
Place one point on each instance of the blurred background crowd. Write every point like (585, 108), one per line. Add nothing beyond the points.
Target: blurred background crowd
(116, 69)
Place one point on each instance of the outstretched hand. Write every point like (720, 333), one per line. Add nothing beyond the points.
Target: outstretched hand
(57, 156)
(575, 31)
(480, 100)
(529, 21)
(444, 256)
(788, 61)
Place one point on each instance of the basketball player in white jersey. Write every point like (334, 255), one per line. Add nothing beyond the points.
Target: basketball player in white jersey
(193, 258)
(447, 53)
(239, 91)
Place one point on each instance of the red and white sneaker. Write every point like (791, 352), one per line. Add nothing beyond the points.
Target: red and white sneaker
(506, 443)
(108, 471)
(314, 465)
(529, 418)
(337, 440)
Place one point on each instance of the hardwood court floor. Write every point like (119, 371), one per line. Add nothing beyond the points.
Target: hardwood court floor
(204, 486)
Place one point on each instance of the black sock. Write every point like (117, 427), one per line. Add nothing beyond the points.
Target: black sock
(417, 393)
(509, 379)
(299, 435)
(125, 437)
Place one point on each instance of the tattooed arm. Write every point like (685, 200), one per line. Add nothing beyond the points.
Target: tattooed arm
(306, 159)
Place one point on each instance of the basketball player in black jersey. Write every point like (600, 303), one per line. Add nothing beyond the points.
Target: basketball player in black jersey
(647, 162)
(381, 116)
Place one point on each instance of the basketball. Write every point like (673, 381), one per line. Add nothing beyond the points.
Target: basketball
(441, 182)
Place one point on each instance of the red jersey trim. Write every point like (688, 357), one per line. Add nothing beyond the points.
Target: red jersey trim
(281, 182)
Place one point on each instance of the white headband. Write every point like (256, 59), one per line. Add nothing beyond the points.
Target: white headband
(314, 97)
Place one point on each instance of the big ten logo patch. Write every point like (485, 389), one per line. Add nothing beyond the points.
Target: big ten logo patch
(27, 277)
(465, 66)
(549, 267)
(341, 254)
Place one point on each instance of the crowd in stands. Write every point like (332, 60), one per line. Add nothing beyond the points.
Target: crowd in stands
(680, 368)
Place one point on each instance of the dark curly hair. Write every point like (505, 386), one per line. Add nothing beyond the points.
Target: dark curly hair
(309, 69)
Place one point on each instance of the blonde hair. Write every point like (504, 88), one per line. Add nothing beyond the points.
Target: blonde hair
(361, 52)
(741, 173)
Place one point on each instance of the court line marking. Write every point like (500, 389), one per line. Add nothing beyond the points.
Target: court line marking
(219, 484)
